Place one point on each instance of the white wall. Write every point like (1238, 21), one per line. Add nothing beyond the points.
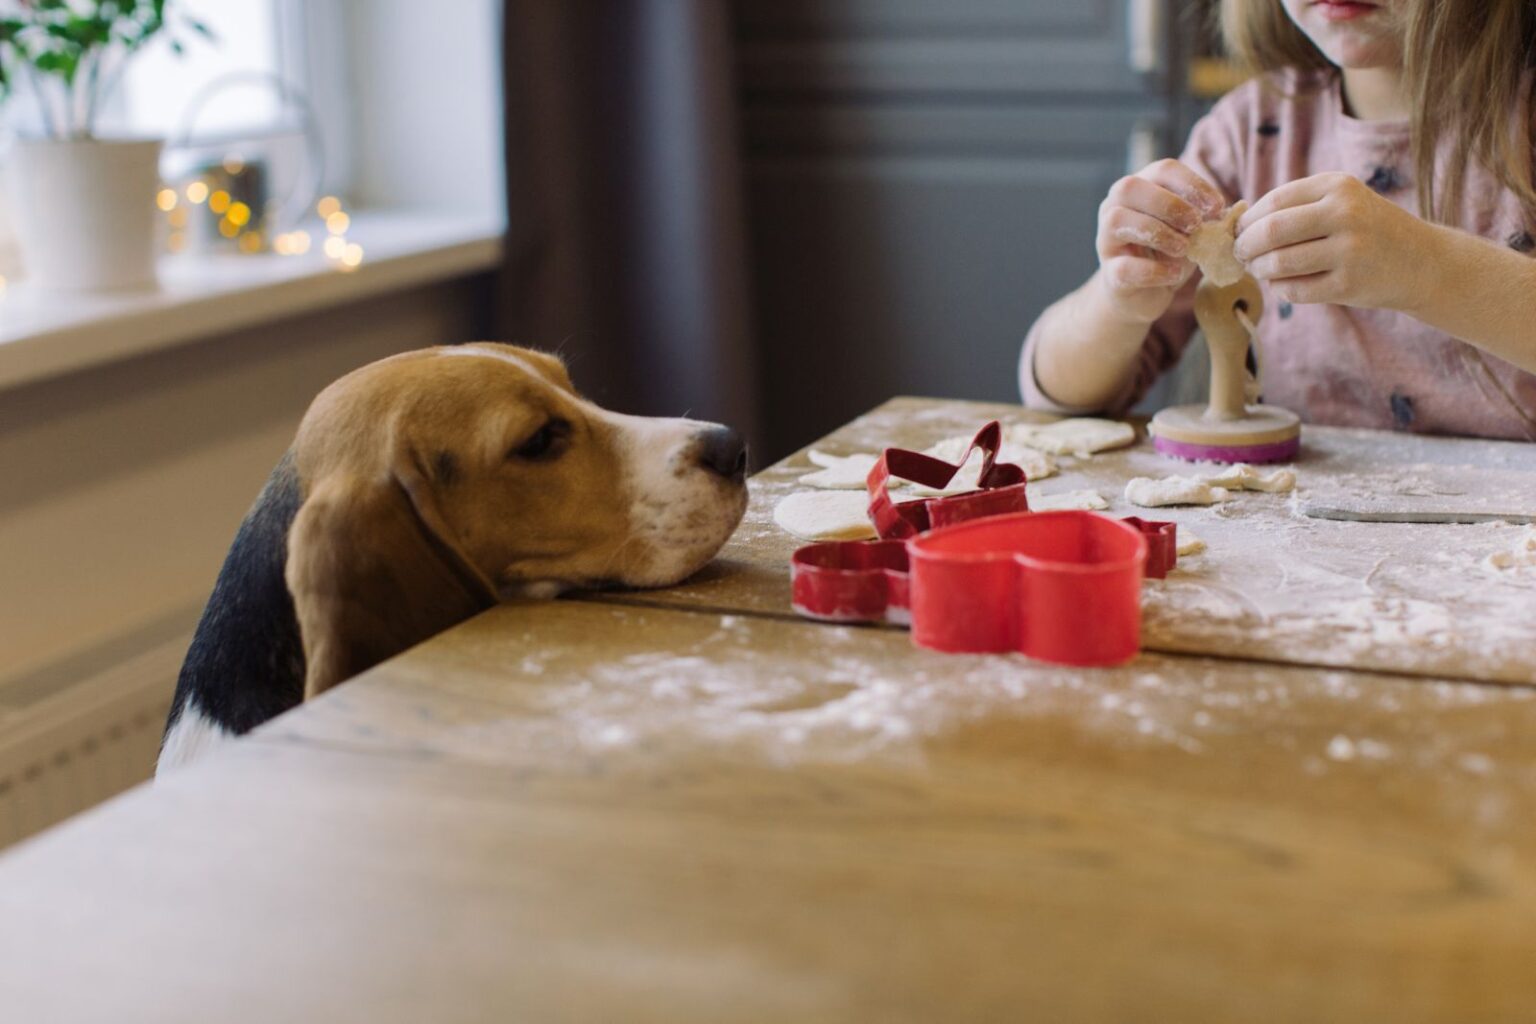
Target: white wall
(424, 85)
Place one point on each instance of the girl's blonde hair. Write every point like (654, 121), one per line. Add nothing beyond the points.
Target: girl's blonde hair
(1465, 71)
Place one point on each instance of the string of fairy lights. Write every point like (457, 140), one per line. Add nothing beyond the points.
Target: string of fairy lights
(238, 223)
(235, 222)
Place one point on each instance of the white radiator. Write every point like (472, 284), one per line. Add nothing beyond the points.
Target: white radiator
(71, 738)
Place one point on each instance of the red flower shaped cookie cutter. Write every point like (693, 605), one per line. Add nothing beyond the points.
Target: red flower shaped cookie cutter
(978, 572)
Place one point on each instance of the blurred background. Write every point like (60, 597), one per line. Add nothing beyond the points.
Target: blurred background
(772, 213)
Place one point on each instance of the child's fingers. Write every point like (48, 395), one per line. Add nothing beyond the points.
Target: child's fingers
(1143, 196)
(1311, 257)
(1289, 226)
(1183, 182)
(1291, 194)
(1124, 226)
(1126, 273)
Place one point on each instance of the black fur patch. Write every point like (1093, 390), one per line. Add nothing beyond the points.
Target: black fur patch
(446, 467)
(1384, 179)
(1521, 241)
(1402, 409)
(246, 662)
(1286, 310)
(1269, 129)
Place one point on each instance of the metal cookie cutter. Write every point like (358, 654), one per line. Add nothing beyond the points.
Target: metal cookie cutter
(978, 572)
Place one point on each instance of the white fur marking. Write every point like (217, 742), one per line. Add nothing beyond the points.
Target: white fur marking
(193, 735)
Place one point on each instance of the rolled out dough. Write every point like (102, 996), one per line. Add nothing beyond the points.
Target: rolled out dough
(1210, 247)
(1081, 437)
(1173, 490)
(1086, 500)
(1243, 477)
(825, 515)
(840, 472)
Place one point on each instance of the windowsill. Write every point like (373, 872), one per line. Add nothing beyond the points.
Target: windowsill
(45, 334)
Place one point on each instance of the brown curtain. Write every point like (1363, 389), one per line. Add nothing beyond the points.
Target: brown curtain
(626, 227)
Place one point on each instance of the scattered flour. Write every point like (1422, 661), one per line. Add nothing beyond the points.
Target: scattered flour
(1521, 555)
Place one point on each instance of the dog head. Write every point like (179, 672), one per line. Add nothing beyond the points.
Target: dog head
(439, 480)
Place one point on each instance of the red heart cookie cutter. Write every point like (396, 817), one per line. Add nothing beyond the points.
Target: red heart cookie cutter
(979, 572)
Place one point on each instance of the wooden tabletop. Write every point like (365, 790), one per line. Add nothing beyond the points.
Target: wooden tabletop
(585, 810)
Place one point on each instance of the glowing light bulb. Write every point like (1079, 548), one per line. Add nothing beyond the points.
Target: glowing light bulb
(197, 192)
(234, 163)
(301, 241)
(335, 247)
(328, 206)
(219, 201)
(250, 241)
(337, 223)
(352, 255)
(228, 229)
(166, 199)
(239, 214)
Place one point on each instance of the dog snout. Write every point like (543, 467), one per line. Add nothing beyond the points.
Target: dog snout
(724, 452)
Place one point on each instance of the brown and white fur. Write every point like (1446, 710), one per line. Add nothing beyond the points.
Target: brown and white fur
(421, 489)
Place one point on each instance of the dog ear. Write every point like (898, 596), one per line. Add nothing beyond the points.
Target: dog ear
(374, 570)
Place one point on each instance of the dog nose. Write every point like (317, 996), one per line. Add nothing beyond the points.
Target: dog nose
(723, 451)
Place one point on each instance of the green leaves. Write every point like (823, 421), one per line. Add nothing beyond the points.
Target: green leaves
(56, 40)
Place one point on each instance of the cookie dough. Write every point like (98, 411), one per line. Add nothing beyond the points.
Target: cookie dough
(840, 472)
(1243, 477)
(1188, 543)
(1210, 247)
(1173, 490)
(826, 515)
(1081, 437)
(1091, 501)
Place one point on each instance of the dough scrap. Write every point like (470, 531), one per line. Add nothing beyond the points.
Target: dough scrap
(840, 472)
(1090, 501)
(1036, 464)
(1210, 247)
(1521, 556)
(1188, 543)
(825, 515)
(1243, 477)
(1082, 437)
(1173, 490)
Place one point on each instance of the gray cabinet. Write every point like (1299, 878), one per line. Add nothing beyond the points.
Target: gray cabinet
(923, 179)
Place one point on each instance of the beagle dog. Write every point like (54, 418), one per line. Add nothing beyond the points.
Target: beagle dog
(418, 491)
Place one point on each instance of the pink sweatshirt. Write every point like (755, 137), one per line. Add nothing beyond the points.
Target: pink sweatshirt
(1338, 364)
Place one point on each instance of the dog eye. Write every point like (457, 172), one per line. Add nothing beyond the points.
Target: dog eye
(548, 442)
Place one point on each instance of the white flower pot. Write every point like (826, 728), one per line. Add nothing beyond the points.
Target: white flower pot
(85, 212)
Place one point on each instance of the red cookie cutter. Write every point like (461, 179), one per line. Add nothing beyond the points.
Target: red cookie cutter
(979, 572)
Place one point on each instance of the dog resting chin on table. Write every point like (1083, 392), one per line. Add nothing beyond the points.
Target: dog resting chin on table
(418, 491)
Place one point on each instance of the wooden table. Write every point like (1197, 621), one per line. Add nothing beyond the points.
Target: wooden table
(689, 805)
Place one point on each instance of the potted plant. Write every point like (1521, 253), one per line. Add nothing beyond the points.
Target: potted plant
(83, 205)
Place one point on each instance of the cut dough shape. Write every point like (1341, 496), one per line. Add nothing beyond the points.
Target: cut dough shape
(1036, 464)
(1090, 501)
(1081, 437)
(1189, 544)
(1173, 490)
(840, 472)
(1243, 477)
(1210, 247)
(825, 515)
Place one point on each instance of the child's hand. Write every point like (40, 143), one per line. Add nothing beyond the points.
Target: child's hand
(1329, 238)
(1144, 227)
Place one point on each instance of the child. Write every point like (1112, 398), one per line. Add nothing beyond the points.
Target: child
(1377, 314)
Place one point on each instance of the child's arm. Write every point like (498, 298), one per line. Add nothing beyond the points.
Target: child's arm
(1086, 345)
(1329, 238)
